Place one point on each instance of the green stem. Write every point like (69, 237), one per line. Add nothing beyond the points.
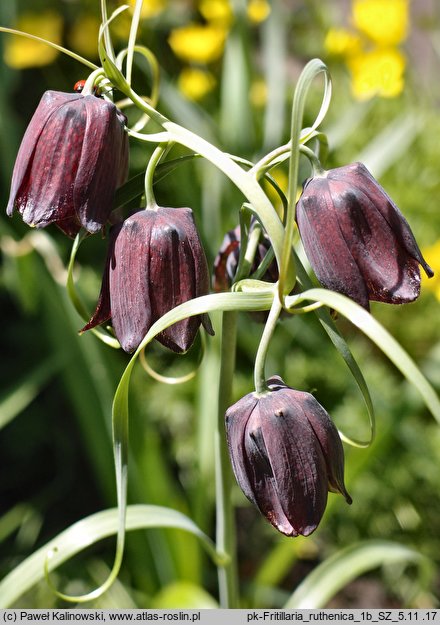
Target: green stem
(132, 39)
(150, 199)
(225, 530)
(260, 359)
(311, 70)
(270, 160)
(317, 168)
(107, 39)
(245, 181)
(248, 244)
(91, 80)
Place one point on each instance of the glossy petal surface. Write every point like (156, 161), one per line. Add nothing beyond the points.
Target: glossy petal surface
(357, 240)
(286, 455)
(73, 156)
(155, 262)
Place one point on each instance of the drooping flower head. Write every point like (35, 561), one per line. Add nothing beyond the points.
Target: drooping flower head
(356, 239)
(73, 156)
(286, 455)
(155, 262)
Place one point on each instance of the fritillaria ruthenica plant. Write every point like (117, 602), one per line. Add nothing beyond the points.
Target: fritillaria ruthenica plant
(286, 452)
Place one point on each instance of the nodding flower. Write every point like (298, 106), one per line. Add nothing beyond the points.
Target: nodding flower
(155, 262)
(73, 156)
(286, 455)
(356, 239)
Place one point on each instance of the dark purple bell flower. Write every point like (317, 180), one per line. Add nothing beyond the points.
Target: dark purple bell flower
(155, 262)
(356, 239)
(73, 156)
(286, 454)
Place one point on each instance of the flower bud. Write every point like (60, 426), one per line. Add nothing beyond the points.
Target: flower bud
(155, 262)
(286, 455)
(356, 239)
(73, 156)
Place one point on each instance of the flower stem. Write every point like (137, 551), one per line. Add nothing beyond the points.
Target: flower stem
(260, 359)
(317, 168)
(91, 80)
(107, 39)
(225, 530)
(311, 70)
(132, 39)
(158, 153)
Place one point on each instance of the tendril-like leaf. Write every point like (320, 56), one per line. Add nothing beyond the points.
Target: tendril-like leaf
(381, 337)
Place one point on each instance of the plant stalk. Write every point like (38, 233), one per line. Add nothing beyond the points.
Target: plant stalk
(225, 530)
(260, 359)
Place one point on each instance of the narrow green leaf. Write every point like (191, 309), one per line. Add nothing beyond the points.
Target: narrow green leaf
(381, 337)
(106, 53)
(338, 341)
(87, 532)
(237, 129)
(75, 298)
(307, 76)
(336, 572)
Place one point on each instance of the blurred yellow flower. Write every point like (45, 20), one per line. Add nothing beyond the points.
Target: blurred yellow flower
(120, 27)
(377, 72)
(384, 21)
(258, 10)
(217, 11)
(258, 93)
(432, 255)
(20, 52)
(150, 8)
(83, 36)
(282, 179)
(195, 83)
(342, 42)
(198, 43)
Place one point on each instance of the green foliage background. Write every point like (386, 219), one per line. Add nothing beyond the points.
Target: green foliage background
(56, 388)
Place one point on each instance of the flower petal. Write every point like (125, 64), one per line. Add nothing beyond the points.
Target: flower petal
(324, 243)
(235, 422)
(47, 163)
(100, 162)
(296, 459)
(129, 280)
